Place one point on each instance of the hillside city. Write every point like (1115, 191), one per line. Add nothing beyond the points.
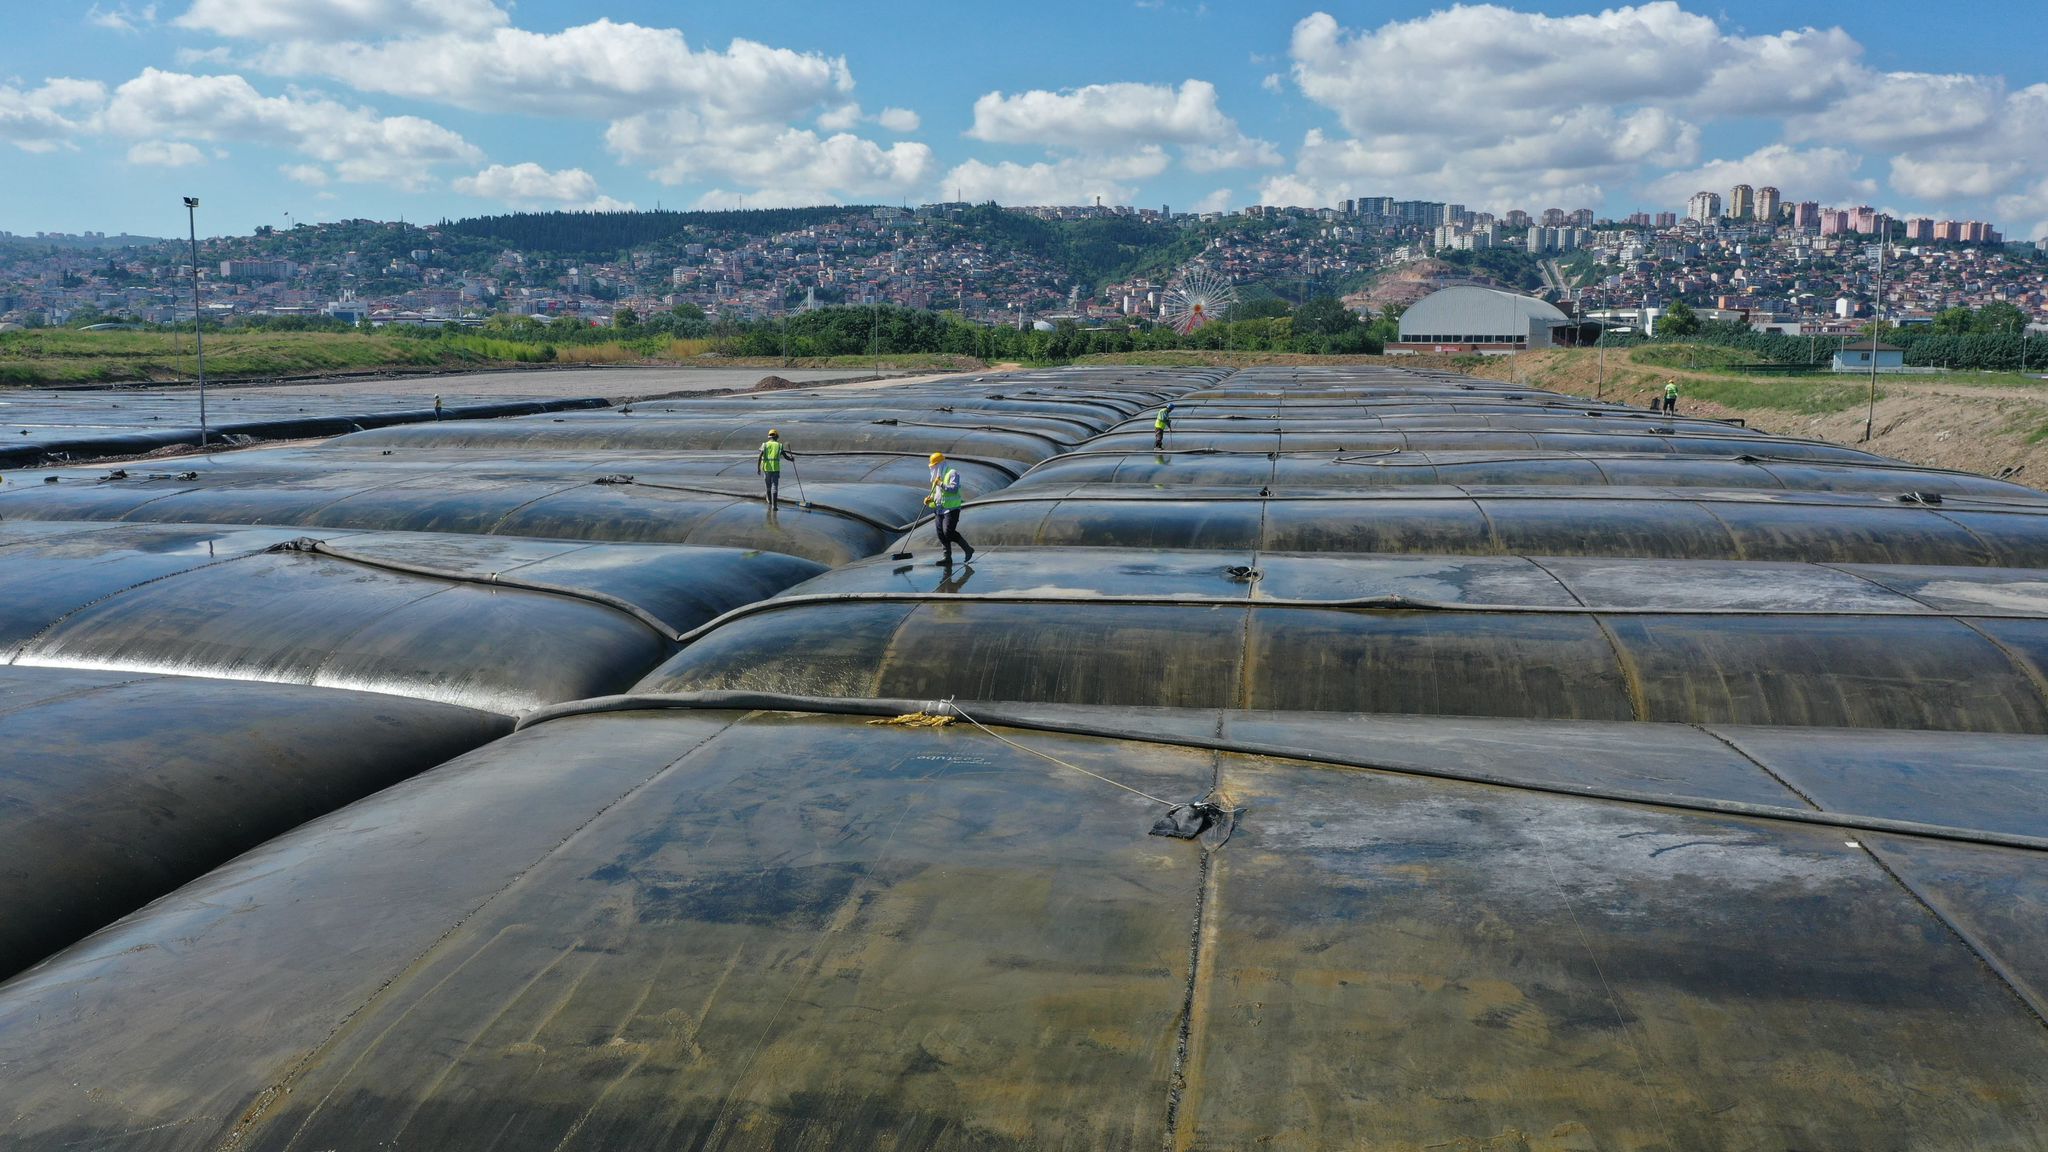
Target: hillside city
(1790, 267)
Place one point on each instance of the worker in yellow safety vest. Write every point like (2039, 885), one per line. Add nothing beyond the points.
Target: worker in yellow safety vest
(1671, 397)
(769, 464)
(1161, 425)
(945, 501)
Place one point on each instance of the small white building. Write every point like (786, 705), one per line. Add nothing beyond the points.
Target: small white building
(1856, 356)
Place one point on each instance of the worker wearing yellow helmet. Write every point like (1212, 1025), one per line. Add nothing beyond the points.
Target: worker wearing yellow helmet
(769, 464)
(945, 501)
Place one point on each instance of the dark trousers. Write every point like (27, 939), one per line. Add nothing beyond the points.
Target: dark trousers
(774, 483)
(947, 524)
(1671, 404)
(1159, 437)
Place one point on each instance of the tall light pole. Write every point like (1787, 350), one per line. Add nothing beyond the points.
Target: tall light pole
(198, 334)
(1876, 327)
(1600, 388)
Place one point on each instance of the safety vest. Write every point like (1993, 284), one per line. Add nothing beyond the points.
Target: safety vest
(771, 456)
(1162, 422)
(946, 488)
(1671, 391)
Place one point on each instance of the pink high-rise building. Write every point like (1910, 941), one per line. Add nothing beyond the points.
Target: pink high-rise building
(1918, 228)
(1806, 214)
(1834, 222)
(1667, 220)
(1863, 219)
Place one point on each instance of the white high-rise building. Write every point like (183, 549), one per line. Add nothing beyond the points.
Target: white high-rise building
(1704, 207)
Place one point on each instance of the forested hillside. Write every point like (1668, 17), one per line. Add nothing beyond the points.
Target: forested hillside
(597, 235)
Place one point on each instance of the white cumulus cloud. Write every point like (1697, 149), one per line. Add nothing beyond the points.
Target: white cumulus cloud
(601, 69)
(41, 119)
(1830, 175)
(1502, 108)
(731, 118)
(165, 154)
(529, 185)
(358, 143)
(1071, 180)
(120, 18)
(793, 165)
(1115, 117)
(315, 19)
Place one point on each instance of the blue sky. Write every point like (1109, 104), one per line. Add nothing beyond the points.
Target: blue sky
(424, 108)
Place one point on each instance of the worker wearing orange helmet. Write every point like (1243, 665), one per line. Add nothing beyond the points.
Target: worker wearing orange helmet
(945, 501)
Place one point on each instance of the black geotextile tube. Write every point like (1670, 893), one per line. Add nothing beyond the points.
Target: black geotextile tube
(314, 546)
(1390, 602)
(998, 714)
(1595, 496)
(757, 498)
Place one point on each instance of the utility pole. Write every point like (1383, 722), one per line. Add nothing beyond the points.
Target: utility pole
(198, 333)
(1600, 388)
(1876, 328)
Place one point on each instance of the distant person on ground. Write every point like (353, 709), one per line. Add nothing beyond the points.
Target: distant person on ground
(437, 405)
(1670, 397)
(1161, 425)
(768, 462)
(945, 501)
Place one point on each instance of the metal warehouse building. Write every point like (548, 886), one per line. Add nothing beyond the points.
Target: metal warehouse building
(1473, 319)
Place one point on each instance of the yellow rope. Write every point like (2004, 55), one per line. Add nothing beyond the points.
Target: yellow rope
(1048, 756)
(915, 720)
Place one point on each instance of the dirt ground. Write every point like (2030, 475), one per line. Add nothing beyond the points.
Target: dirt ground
(1975, 428)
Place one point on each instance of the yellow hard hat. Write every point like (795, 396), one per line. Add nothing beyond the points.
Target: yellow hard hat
(773, 432)
(938, 456)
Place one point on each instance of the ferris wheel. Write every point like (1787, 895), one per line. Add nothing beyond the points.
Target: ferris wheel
(1197, 297)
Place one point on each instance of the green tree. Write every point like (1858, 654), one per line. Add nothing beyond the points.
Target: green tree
(1999, 317)
(625, 318)
(1953, 321)
(1325, 316)
(1678, 320)
(1266, 308)
(688, 311)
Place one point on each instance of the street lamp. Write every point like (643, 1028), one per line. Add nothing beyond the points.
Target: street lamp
(198, 334)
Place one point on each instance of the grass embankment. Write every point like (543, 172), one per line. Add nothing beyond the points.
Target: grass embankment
(1194, 358)
(1719, 376)
(888, 362)
(59, 357)
(1988, 422)
(1635, 376)
(56, 356)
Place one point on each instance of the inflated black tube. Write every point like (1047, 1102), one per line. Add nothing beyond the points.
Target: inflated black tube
(1858, 671)
(121, 786)
(497, 579)
(997, 713)
(1364, 604)
(755, 498)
